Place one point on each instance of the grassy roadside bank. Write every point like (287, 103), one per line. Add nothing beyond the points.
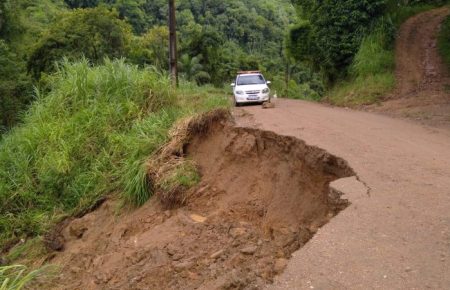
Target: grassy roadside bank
(372, 73)
(87, 137)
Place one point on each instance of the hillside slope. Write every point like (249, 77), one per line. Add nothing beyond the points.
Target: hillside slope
(422, 78)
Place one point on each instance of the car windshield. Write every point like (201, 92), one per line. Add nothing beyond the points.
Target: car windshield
(250, 80)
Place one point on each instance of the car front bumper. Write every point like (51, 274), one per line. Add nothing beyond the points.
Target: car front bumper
(253, 99)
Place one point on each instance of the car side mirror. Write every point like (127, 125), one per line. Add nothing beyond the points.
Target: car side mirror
(268, 82)
(233, 84)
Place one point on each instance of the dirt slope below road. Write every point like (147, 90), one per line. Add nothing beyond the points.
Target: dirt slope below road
(422, 91)
(262, 197)
(399, 237)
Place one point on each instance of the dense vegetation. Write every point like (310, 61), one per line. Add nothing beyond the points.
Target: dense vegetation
(351, 44)
(85, 97)
(88, 136)
(345, 46)
(216, 39)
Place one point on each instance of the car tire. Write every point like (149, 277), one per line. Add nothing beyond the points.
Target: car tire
(236, 104)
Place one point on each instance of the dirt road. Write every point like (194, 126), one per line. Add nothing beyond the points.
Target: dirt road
(422, 91)
(396, 238)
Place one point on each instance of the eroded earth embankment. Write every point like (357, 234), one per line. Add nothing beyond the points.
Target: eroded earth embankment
(261, 197)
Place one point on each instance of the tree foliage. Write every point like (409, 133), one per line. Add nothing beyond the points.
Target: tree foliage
(94, 33)
(151, 48)
(334, 32)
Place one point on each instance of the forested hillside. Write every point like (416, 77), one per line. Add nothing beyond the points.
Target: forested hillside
(216, 38)
(351, 44)
(307, 48)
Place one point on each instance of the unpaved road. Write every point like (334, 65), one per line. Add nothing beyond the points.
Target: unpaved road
(396, 238)
(422, 91)
(419, 67)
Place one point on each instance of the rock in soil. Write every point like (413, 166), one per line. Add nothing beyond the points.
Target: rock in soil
(249, 250)
(267, 191)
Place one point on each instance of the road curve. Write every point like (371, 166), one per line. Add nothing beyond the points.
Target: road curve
(396, 238)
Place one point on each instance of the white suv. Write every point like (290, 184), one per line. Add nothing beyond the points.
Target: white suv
(250, 87)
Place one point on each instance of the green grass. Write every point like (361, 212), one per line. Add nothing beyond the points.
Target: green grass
(402, 13)
(17, 277)
(371, 73)
(27, 251)
(373, 67)
(362, 91)
(444, 42)
(183, 175)
(88, 137)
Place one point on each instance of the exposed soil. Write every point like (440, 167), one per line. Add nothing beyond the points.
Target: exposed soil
(422, 80)
(398, 237)
(262, 196)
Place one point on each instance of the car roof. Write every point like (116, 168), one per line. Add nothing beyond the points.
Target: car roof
(249, 72)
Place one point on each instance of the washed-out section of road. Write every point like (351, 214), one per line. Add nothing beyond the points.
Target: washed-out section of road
(398, 236)
(262, 196)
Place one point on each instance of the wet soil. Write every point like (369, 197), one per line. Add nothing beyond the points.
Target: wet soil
(262, 196)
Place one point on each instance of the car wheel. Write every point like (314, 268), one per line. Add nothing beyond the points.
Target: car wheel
(236, 104)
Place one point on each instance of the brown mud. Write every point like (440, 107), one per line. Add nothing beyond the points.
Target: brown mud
(262, 196)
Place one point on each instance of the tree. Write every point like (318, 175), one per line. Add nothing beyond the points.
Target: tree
(94, 33)
(334, 32)
(192, 69)
(81, 3)
(132, 12)
(151, 48)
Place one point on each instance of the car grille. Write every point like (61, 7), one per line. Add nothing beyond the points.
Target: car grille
(252, 92)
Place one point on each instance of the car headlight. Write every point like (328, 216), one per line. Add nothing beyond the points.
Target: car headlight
(265, 91)
(239, 92)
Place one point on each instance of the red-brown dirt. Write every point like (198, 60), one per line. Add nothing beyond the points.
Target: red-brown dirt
(262, 197)
(422, 88)
(398, 237)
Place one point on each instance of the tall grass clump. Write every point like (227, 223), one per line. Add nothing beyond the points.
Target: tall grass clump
(444, 41)
(372, 69)
(87, 136)
(16, 277)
